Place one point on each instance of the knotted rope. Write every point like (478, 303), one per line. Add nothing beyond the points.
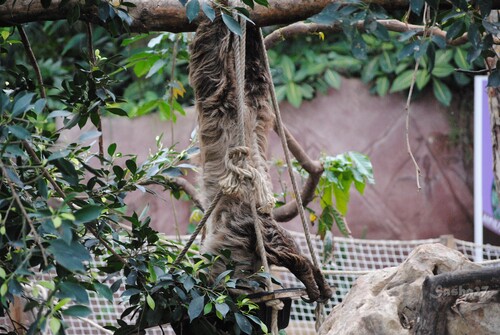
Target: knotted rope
(240, 175)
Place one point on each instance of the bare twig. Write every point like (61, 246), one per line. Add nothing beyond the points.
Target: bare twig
(36, 237)
(407, 125)
(32, 58)
(301, 28)
(90, 47)
(473, 72)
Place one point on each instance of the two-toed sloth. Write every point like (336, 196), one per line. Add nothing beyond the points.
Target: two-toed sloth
(231, 226)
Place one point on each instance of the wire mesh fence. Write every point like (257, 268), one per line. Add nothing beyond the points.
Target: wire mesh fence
(352, 258)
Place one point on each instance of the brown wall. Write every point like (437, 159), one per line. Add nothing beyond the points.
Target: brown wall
(348, 119)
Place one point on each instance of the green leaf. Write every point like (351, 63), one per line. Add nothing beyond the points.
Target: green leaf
(19, 132)
(39, 105)
(89, 135)
(78, 311)
(58, 113)
(325, 221)
(232, 24)
(70, 256)
(157, 66)
(341, 223)
(112, 149)
(151, 303)
(328, 246)
(455, 29)
(363, 165)
(288, 68)
(264, 3)
(75, 291)
(192, 10)
(249, 3)
(441, 92)
(387, 62)
(442, 71)
(460, 58)
(54, 325)
(333, 79)
(243, 323)
(443, 56)
(293, 94)
(382, 86)
(416, 6)
(208, 10)
(341, 197)
(195, 308)
(402, 82)
(358, 46)
(58, 154)
(22, 103)
(104, 291)
(370, 70)
(408, 49)
(422, 79)
(208, 308)
(131, 165)
(87, 213)
(222, 308)
(117, 111)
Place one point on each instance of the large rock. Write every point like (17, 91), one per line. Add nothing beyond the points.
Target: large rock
(385, 301)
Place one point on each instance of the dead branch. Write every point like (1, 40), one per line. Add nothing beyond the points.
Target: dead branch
(301, 28)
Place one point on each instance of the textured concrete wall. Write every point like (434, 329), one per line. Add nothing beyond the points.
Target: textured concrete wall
(348, 119)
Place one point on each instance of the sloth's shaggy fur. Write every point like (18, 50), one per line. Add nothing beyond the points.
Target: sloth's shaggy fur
(212, 74)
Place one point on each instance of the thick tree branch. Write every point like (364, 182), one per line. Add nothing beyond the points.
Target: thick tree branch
(301, 28)
(314, 168)
(158, 15)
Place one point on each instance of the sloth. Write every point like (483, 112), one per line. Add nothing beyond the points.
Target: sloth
(230, 226)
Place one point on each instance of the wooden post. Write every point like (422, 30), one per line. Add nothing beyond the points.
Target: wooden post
(441, 291)
(448, 241)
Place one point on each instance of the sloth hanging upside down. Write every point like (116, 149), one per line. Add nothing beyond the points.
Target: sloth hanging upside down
(231, 226)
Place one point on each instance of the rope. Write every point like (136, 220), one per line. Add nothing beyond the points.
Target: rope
(239, 173)
(241, 170)
(204, 219)
(320, 313)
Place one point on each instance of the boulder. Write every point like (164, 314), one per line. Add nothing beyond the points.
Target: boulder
(386, 301)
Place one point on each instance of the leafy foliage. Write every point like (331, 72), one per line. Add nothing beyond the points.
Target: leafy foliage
(383, 59)
(341, 172)
(62, 206)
